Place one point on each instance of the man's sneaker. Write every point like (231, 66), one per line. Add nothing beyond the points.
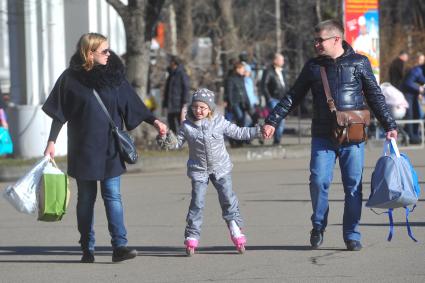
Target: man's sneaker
(123, 253)
(316, 238)
(191, 244)
(88, 257)
(353, 245)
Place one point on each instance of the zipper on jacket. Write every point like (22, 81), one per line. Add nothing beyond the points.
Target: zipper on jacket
(337, 84)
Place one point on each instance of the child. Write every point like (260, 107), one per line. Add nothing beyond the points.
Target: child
(204, 131)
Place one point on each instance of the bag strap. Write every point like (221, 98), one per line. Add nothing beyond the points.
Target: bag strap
(391, 232)
(54, 162)
(391, 146)
(104, 109)
(409, 230)
(329, 99)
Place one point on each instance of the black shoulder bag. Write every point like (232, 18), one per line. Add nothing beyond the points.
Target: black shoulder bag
(124, 140)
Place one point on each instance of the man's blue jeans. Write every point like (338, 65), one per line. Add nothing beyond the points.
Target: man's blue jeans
(110, 190)
(351, 159)
(281, 127)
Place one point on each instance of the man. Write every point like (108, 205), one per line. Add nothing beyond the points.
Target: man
(176, 94)
(273, 87)
(349, 75)
(396, 71)
(413, 87)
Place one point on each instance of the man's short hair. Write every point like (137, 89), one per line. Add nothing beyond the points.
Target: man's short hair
(175, 60)
(276, 55)
(330, 25)
(403, 52)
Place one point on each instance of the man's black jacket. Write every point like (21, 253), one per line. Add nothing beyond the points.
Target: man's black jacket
(350, 76)
(271, 86)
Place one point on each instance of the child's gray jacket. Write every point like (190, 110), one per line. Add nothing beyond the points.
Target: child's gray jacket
(207, 150)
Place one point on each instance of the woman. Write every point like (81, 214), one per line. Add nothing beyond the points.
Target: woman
(92, 151)
(237, 98)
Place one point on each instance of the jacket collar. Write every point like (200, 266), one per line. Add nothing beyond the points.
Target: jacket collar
(110, 75)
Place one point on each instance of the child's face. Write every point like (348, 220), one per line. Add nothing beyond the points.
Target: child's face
(200, 110)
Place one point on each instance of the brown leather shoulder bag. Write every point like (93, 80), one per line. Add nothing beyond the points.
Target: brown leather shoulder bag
(348, 126)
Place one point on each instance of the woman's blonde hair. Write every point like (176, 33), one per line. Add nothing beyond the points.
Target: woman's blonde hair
(89, 42)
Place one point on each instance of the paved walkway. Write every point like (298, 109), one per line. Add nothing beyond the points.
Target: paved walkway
(275, 204)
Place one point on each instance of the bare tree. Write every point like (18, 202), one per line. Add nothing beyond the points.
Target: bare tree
(278, 28)
(229, 41)
(185, 24)
(139, 18)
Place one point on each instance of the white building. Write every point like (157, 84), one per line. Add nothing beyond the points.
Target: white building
(37, 40)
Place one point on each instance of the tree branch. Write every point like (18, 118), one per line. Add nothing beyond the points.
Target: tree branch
(119, 7)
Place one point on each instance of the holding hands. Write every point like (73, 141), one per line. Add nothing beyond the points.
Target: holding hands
(267, 131)
(160, 127)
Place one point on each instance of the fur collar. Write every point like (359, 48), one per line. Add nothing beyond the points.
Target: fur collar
(101, 76)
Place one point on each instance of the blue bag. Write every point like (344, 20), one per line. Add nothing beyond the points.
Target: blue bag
(394, 184)
(6, 145)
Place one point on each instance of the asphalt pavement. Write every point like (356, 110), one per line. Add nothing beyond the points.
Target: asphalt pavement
(272, 186)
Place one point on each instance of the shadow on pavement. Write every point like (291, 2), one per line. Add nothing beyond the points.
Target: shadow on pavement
(155, 251)
(414, 224)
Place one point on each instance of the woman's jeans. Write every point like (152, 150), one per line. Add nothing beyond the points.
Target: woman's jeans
(281, 126)
(351, 158)
(228, 201)
(110, 190)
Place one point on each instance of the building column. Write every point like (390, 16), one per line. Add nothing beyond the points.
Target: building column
(37, 58)
(4, 48)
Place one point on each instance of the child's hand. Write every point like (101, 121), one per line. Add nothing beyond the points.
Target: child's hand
(168, 141)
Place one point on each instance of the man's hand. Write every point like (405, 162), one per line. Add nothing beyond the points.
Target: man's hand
(391, 134)
(268, 131)
(161, 127)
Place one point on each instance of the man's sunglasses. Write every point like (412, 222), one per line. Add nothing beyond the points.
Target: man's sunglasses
(321, 40)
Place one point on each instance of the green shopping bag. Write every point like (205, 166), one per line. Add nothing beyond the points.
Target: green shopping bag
(53, 197)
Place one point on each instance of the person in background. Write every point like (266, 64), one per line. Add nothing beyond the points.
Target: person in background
(414, 88)
(397, 69)
(92, 150)
(274, 87)
(176, 95)
(3, 117)
(248, 79)
(236, 98)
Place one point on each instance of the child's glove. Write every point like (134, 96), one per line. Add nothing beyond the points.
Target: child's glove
(259, 133)
(167, 142)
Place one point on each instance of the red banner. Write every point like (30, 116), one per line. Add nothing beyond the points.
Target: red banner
(362, 29)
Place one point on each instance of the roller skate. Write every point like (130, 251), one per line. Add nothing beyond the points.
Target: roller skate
(238, 239)
(191, 244)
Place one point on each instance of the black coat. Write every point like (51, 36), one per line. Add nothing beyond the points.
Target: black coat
(235, 92)
(271, 87)
(176, 90)
(396, 72)
(350, 76)
(92, 152)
